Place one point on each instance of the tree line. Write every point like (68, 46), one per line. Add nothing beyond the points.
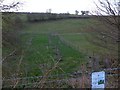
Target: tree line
(52, 16)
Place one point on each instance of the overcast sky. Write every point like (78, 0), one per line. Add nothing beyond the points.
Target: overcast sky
(57, 6)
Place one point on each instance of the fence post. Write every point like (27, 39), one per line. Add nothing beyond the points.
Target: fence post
(95, 62)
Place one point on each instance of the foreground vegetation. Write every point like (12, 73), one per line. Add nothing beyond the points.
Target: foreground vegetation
(71, 43)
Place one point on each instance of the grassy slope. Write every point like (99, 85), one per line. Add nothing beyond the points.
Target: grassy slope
(35, 41)
(61, 26)
(37, 54)
(85, 46)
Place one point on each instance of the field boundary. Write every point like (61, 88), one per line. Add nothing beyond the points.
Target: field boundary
(59, 77)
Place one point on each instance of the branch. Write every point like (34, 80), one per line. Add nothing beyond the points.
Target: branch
(9, 55)
(14, 5)
(107, 7)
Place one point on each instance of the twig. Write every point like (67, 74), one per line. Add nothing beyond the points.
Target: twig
(46, 75)
(9, 55)
(18, 70)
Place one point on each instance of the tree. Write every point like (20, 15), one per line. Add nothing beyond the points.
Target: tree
(112, 10)
(76, 12)
(49, 10)
(85, 12)
(108, 12)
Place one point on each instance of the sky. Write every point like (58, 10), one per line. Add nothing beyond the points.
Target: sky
(57, 6)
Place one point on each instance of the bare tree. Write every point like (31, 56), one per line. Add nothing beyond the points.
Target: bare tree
(109, 11)
(8, 7)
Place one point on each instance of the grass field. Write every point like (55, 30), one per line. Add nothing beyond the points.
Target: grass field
(38, 51)
(60, 26)
(43, 43)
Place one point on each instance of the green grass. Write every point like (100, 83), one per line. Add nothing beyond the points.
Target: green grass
(71, 58)
(83, 44)
(38, 50)
(61, 26)
(37, 53)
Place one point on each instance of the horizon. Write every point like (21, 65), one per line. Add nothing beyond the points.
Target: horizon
(55, 6)
(63, 6)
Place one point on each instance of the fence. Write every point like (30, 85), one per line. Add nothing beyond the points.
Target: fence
(74, 46)
(75, 80)
(81, 79)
